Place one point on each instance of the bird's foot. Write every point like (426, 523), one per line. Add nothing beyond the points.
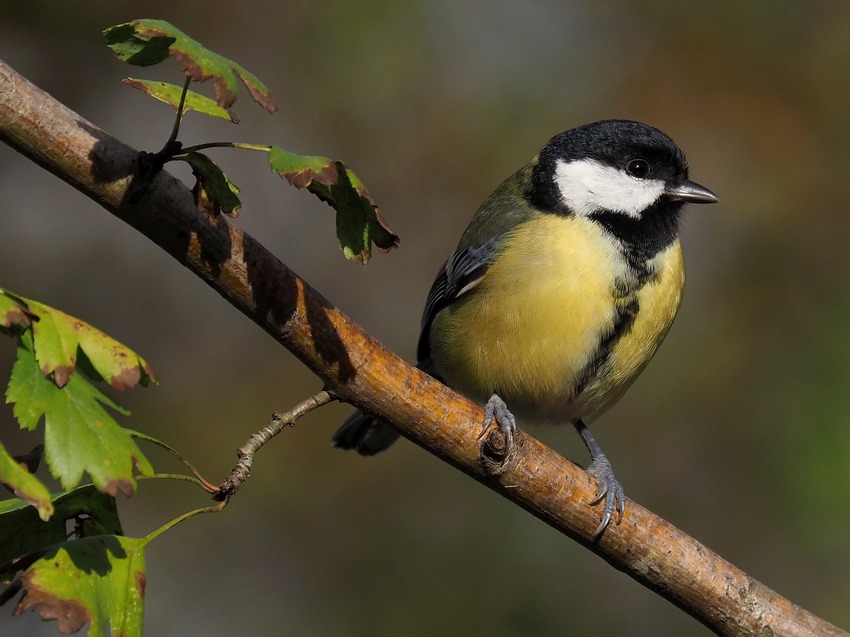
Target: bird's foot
(610, 491)
(497, 410)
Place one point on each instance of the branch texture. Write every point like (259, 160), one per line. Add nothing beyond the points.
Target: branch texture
(357, 369)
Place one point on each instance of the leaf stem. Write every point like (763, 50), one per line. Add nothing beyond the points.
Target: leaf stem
(168, 525)
(168, 148)
(175, 476)
(202, 482)
(242, 145)
(245, 453)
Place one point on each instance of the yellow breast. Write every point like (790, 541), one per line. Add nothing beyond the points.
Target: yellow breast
(536, 328)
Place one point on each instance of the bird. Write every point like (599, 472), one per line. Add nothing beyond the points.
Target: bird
(560, 290)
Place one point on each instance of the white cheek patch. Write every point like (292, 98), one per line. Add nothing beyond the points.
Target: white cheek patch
(588, 186)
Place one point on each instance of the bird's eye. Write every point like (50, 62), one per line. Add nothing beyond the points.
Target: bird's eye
(639, 168)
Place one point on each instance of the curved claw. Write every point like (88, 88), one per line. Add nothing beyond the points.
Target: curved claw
(610, 491)
(497, 410)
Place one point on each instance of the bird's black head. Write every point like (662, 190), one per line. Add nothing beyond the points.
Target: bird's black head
(630, 177)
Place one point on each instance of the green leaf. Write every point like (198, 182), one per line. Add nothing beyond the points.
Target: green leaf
(21, 531)
(24, 485)
(170, 94)
(58, 336)
(134, 48)
(28, 390)
(145, 42)
(80, 435)
(359, 222)
(219, 190)
(99, 581)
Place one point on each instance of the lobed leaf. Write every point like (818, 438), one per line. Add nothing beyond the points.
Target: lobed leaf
(359, 222)
(145, 42)
(25, 486)
(57, 336)
(97, 581)
(170, 94)
(219, 190)
(22, 533)
(80, 436)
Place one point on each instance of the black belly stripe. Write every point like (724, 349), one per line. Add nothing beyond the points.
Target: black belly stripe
(642, 240)
(623, 321)
(625, 291)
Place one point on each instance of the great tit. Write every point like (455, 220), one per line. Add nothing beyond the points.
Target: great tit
(560, 290)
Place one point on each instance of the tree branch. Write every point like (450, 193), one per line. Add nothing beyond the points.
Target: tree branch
(357, 369)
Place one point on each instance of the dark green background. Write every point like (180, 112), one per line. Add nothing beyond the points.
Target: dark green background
(737, 432)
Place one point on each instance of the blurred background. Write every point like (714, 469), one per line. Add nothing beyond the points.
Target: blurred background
(737, 432)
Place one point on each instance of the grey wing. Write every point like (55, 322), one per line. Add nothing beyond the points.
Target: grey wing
(460, 274)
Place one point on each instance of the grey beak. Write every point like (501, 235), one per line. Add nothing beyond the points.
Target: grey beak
(692, 192)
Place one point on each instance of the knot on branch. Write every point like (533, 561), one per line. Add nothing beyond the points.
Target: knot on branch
(495, 452)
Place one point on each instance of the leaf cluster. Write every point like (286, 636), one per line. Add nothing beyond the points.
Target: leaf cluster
(96, 578)
(59, 363)
(65, 553)
(359, 223)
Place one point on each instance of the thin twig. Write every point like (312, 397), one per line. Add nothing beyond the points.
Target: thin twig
(245, 453)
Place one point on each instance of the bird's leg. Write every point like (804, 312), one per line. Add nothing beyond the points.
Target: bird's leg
(610, 489)
(497, 410)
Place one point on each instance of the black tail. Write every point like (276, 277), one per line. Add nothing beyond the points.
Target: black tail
(366, 435)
